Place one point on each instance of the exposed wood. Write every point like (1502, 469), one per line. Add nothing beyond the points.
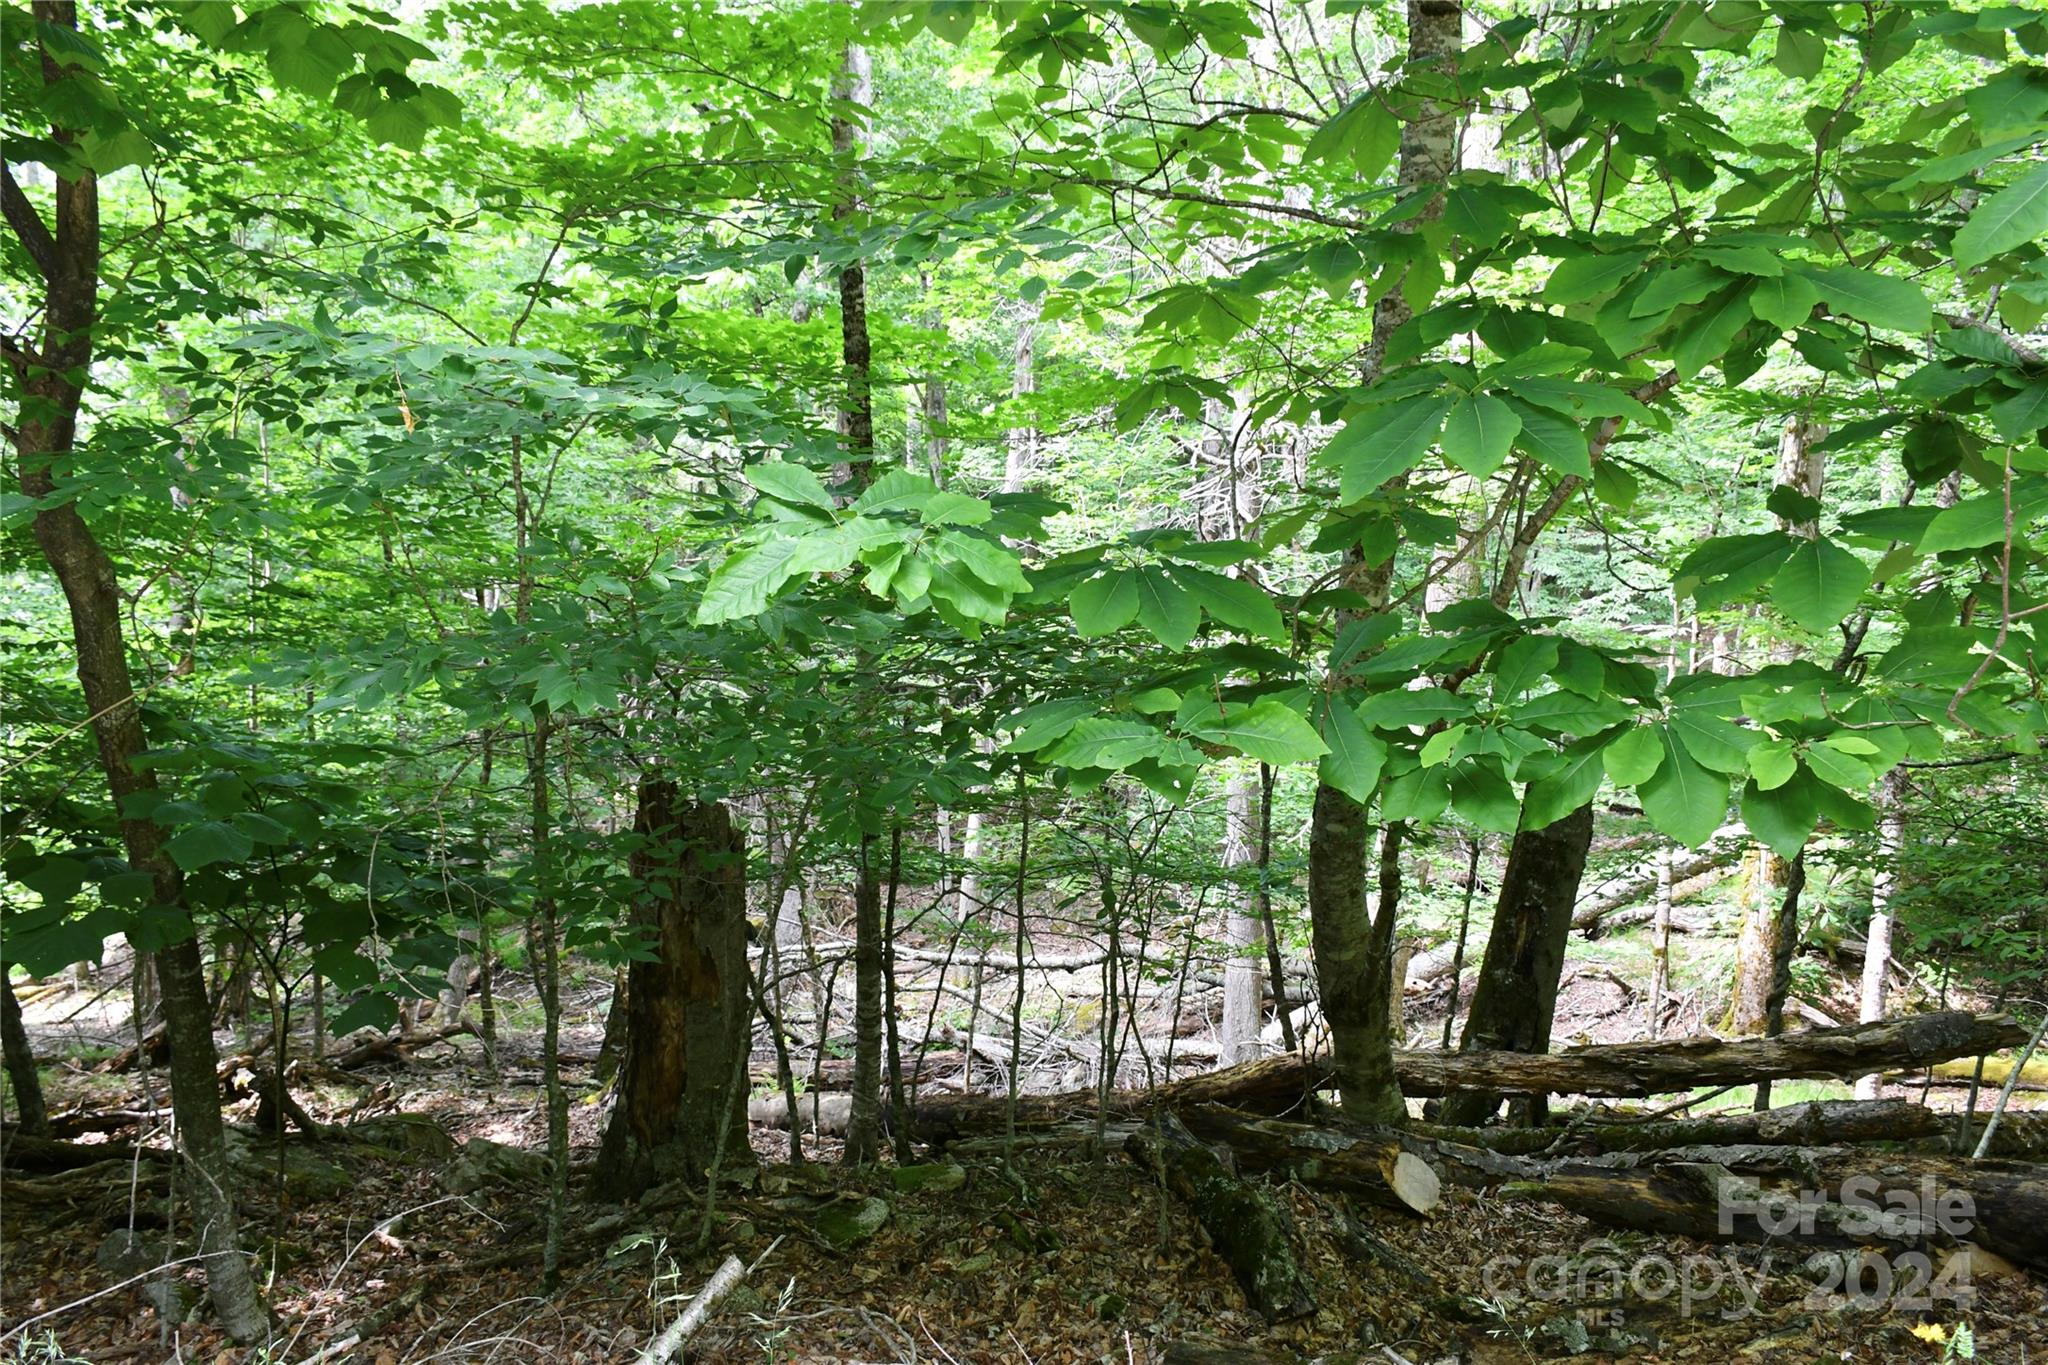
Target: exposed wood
(1367, 1165)
(394, 1047)
(1245, 1224)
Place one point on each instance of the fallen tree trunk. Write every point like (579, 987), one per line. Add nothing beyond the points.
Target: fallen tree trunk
(1278, 1085)
(1371, 1166)
(394, 1046)
(1721, 848)
(1825, 1197)
(1818, 1123)
(1245, 1224)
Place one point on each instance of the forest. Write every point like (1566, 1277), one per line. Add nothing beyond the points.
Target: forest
(1212, 682)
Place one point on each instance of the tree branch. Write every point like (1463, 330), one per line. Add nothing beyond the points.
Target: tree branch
(28, 225)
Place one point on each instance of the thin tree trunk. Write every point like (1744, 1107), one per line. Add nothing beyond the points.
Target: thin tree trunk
(1022, 451)
(51, 379)
(1877, 950)
(1660, 944)
(1275, 968)
(1242, 931)
(1474, 845)
(864, 1128)
(33, 1114)
(899, 1109)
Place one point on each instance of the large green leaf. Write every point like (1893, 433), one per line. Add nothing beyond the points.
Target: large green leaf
(1880, 300)
(1783, 817)
(1635, 755)
(1402, 707)
(1166, 609)
(1100, 742)
(2023, 415)
(1380, 444)
(1479, 433)
(1819, 584)
(1357, 756)
(1705, 337)
(1556, 442)
(203, 845)
(1682, 798)
(1106, 603)
(1268, 730)
(1784, 301)
(747, 581)
(1574, 782)
(1580, 278)
(1237, 602)
(2015, 216)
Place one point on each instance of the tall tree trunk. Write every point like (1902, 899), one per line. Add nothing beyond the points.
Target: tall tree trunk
(1770, 922)
(1516, 996)
(864, 1127)
(1660, 945)
(52, 380)
(1243, 930)
(1353, 944)
(687, 1011)
(1884, 880)
(29, 1108)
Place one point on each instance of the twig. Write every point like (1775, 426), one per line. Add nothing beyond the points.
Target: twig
(722, 1282)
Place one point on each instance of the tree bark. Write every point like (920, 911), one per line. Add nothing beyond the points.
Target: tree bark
(1353, 945)
(1516, 996)
(687, 1012)
(1243, 933)
(52, 380)
(34, 1115)
(1877, 949)
(864, 1132)
(1377, 1169)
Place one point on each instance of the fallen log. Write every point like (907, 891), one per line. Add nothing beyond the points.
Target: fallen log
(1817, 1123)
(1604, 897)
(1245, 1224)
(1368, 1165)
(1824, 1197)
(1279, 1085)
(24, 1152)
(394, 1046)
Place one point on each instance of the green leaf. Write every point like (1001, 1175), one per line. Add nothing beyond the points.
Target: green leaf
(1554, 441)
(1783, 817)
(2015, 216)
(1099, 742)
(1575, 782)
(1437, 748)
(203, 845)
(1705, 337)
(1479, 433)
(1364, 132)
(2025, 414)
(1237, 602)
(1377, 445)
(1106, 603)
(1522, 665)
(790, 483)
(1819, 584)
(1682, 798)
(745, 583)
(1785, 301)
(1838, 769)
(1403, 707)
(1168, 611)
(1799, 54)
(954, 509)
(1634, 755)
(1357, 756)
(1578, 279)
(1879, 300)
(1268, 730)
(1772, 763)
(1481, 793)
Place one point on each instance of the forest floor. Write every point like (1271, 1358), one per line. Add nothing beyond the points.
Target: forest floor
(1048, 1256)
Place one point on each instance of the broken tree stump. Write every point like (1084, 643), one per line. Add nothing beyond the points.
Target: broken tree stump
(1245, 1224)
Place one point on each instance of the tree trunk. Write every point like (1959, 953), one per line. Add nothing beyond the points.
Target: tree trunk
(1243, 933)
(1783, 934)
(864, 1132)
(687, 1011)
(1660, 945)
(52, 379)
(1376, 1169)
(34, 1115)
(1516, 996)
(1022, 452)
(1353, 945)
(1884, 879)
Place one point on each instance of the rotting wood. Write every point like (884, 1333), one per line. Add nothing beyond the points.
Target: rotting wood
(1245, 1224)
(1368, 1165)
